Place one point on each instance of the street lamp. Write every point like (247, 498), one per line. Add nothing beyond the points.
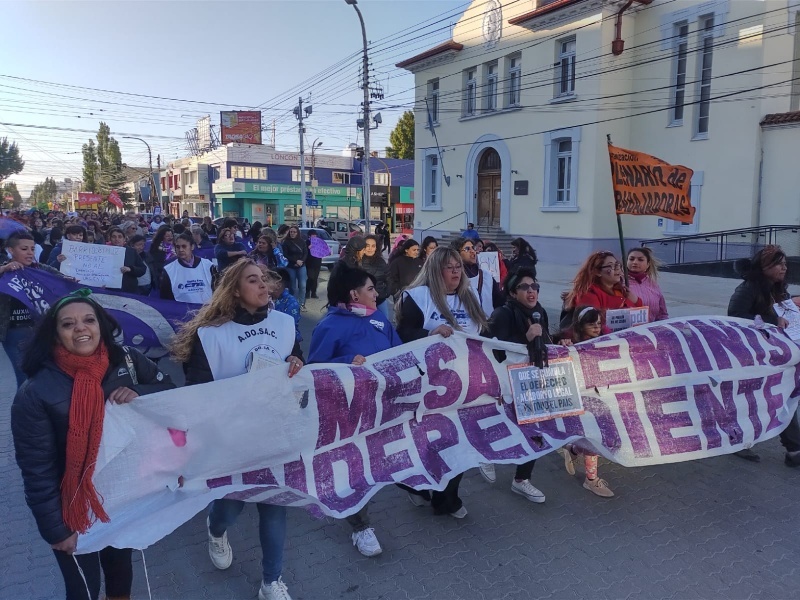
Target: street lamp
(366, 121)
(150, 163)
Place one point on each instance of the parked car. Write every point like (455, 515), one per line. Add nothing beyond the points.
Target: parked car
(328, 261)
(372, 224)
(342, 228)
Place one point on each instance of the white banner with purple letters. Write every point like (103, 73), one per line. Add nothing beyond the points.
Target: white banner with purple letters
(331, 437)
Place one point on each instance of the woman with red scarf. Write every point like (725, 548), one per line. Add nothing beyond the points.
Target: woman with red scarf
(599, 284)
(74, 367)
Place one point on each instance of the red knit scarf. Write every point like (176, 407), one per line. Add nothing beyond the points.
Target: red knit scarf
(78, 495)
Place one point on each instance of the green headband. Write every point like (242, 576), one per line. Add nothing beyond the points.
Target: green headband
(80, 294)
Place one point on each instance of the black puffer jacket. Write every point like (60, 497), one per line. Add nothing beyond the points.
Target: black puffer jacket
(39, 425)
(377, 267)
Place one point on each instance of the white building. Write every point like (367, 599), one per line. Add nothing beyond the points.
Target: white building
(523, 97)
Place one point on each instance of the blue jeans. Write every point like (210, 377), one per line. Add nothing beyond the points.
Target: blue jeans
(16, 337)
(298, 276)
(271, 531)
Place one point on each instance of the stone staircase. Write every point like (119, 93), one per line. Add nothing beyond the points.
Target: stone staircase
(494, 234)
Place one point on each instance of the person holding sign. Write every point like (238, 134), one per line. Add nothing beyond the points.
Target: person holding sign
(438, 302)
(222, 341)
(599, 284)
(75, 367)
(763, 289)
(486, 288)
(74, 233)
(643, 273)
(16, 320)
(586, 325)
(189, 277)
(352, 330)
(520, 320)
(133, 267)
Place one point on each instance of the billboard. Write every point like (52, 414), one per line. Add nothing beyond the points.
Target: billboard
(243, 127)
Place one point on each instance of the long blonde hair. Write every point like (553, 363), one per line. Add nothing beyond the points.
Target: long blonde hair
(219, 310)
(653, 263)
(431, 276)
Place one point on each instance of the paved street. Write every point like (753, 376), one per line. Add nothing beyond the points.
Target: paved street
(717, 528)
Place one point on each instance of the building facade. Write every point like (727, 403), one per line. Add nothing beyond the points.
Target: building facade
(525, 95)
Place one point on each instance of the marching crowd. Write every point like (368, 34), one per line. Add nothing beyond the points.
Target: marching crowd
(69, 363)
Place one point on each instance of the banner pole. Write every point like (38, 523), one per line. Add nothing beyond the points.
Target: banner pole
(623, 260)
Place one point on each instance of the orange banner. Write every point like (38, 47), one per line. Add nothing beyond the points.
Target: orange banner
(646, 185)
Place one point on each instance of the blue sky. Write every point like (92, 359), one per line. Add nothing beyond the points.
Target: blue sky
(218, 55)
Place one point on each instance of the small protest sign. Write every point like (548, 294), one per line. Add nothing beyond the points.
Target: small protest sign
(491, 262)
(646, 185)
(93, 264)
(789, 311)
(622, 318)
(545, 393)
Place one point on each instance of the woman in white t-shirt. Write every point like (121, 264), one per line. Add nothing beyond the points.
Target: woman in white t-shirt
(439, 301)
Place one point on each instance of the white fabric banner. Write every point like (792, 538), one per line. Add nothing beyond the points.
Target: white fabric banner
(419, 414)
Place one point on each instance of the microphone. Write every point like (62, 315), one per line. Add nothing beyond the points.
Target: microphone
(536, 348)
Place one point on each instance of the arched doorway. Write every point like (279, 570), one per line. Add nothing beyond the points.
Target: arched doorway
(489, 188)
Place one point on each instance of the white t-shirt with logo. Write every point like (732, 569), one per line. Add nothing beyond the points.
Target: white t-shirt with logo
(432, 317)
(190, 284)
(230, 347)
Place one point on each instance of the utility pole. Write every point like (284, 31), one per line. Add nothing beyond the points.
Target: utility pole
(157, 188)
(299, 111)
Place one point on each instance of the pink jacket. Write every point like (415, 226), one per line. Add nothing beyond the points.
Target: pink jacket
(650, 295)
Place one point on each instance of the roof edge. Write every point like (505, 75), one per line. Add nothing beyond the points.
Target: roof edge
(548, 8)
(448, 46)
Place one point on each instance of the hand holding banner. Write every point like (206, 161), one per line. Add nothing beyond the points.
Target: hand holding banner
(646, 185)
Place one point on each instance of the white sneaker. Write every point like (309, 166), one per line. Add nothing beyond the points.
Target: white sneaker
(366, 542)
(460, 513)
(219, 549)
(487, 470)
(276, 590)
(525, 488)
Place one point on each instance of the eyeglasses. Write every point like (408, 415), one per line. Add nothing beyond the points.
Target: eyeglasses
(468, 248)
(528, 287)
(614, 267)
(452, 268)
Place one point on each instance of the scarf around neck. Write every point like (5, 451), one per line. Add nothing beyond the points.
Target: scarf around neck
(638, 277)
(81, 505)
(357, 309)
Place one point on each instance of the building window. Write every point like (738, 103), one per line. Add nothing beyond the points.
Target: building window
(381, 178)
(191, 176)
(561, 160)
(338, 177)
(433, 100)
(242, 172)
(514, 80)
(564, 168)
(296, 175)
(470, 92)
(565, 68)
(680, 60)
(678, 228)
(706, 45)
(491, 87)
(214, 174)
(431, 182)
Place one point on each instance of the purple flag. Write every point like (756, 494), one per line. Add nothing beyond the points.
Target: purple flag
(147, 323)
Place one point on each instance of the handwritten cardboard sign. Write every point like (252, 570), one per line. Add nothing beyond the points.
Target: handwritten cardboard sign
(547, 393)
(491, 262)
(622, 318)
(789, 311)
(93, 264)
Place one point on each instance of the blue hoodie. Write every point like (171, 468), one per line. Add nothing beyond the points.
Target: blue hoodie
(341, 335)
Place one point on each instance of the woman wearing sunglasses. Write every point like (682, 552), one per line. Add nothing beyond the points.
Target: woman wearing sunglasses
(514, 322)
(599, 284)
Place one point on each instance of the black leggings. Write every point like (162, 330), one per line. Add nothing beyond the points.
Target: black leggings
(313, 267)
(116, 567)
